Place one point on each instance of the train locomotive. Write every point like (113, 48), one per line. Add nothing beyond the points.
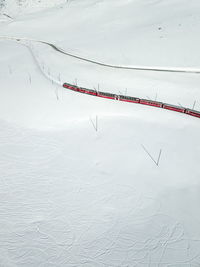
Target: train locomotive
(131, 99)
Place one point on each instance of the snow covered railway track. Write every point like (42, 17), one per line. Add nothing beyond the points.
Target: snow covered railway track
(131, 99)
(137, 68)
(107, 95)
(134, 67)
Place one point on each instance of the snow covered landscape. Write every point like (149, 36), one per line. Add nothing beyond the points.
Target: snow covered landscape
(93, 182)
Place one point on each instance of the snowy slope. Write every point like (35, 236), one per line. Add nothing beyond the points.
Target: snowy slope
(74, 196)
(15, 8)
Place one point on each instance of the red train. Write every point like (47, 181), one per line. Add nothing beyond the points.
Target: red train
(151, 103)
(131, 99)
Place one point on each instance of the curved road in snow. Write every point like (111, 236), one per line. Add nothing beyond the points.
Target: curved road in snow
(135, 67)
(195, 113)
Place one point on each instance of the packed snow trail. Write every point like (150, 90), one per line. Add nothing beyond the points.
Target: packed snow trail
(137, 68)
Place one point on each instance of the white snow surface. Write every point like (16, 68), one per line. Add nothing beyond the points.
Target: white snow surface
(73, 196)
(16, 8)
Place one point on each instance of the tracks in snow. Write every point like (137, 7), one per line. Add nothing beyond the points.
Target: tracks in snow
(196, 71)
(135, 67)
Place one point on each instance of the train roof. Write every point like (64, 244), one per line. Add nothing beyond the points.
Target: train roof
(106, 93)
(127, 96)
(192, 110)
(174, 106)
(152, 101)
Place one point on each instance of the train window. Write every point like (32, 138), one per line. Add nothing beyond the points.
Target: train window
(129, 98)
(193, 111)
(101, 93)
(106, 94)
(154, 102)
(90, 90)
(148, 101)
(173, 106)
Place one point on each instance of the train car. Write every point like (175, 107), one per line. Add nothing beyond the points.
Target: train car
(65, 85)
(151, 103)
(174, 108)
(192, 112)
(70, 86)
(92, 92)
(128, 99)
(106, 95)
(74, 88)
(87, 91)
(81, 89)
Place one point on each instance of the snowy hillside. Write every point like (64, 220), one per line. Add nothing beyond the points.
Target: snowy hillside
(15, 8)
(93, 182)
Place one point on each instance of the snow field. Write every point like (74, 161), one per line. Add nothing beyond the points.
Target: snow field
(80, 211)
(72, 195)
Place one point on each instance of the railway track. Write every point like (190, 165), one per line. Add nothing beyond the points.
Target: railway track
(135, 67)
(107, 95)
(132, 99)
